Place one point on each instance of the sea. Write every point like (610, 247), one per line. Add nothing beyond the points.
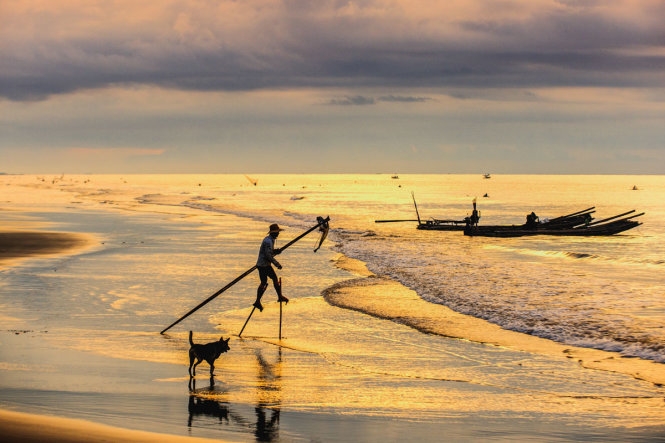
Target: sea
(161, 244)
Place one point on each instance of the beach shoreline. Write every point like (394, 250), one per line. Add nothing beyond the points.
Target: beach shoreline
(29, 428)
(273, 367)
(393, 301)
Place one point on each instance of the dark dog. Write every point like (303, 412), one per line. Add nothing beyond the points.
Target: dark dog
(208, 352)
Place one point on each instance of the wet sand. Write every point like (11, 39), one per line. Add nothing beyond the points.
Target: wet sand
(21, 427)
(390, 300)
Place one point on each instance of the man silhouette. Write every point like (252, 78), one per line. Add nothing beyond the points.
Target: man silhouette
(264, 264)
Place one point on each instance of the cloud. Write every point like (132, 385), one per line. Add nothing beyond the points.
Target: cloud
(403, 99)
(365, 100)
(352, 101)
(59, 47)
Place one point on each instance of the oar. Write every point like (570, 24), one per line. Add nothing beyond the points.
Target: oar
(320, 220)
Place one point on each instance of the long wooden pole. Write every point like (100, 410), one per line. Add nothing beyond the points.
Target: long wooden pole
(240, 277)
(413, 196)
(280, 312)
(204, 302)
(610, 218)
(247, 321)
(573, 214)
(395, 221)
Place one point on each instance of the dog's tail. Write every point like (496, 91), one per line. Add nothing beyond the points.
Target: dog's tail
(191, 342)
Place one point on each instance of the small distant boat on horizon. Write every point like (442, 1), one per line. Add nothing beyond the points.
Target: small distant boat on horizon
(487, 175)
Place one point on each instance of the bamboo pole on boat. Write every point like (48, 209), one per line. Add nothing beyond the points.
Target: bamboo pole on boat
(280, 312)
(413, 196)
(610, 218)
(574, 214)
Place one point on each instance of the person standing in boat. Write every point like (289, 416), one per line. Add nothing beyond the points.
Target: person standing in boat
(264, 263)
(475, 215)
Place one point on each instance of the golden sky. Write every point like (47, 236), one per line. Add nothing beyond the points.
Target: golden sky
(521, 86)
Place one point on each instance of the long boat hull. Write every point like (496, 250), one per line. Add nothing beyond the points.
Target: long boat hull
(442, 225)
(601, 229)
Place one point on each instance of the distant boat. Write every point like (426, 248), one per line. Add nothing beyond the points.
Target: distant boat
(635, 188)
(395, 177)
(296, 197)
(251, 180)
(487, 175)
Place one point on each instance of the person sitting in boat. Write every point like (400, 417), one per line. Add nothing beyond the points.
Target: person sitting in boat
(587, 219)
(532, 220)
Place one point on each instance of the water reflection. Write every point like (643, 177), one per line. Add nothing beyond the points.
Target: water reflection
(200, 406)
(269, 397)
(205, 402)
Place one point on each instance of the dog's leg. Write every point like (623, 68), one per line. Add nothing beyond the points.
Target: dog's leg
(194, 368)
(191, 362)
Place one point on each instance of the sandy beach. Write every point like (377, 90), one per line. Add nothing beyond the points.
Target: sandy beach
(387, 300)
(22, 427)
(391, 300)
(87, 290)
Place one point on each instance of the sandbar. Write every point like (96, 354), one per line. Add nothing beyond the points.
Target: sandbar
(23, 244)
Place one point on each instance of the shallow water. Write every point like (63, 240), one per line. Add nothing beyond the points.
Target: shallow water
(165, 243)
(602, 292)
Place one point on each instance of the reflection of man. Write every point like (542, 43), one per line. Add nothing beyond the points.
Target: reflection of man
(269, 390)
(264, 264)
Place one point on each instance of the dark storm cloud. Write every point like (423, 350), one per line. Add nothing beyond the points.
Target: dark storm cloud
(291, 44)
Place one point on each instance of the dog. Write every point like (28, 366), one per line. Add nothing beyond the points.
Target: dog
(208, 352)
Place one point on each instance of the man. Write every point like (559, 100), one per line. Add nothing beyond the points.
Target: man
(264, 264)
(475, 215)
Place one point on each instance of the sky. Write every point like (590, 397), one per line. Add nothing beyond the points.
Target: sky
(326, 86)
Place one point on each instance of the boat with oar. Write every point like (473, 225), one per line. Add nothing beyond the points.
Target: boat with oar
(562, 226)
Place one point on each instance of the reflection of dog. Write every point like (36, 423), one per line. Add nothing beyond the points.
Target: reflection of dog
(208, 352)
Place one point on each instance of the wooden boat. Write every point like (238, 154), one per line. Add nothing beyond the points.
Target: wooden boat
(431, 224)
(608, 226)
(442, 225)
